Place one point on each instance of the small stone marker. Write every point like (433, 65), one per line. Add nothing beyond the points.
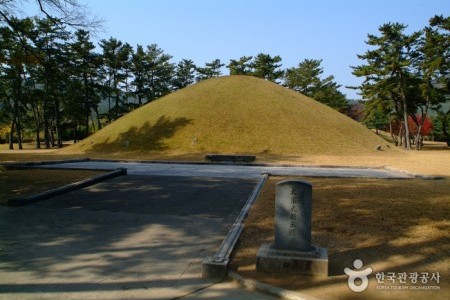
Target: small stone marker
(292, 250)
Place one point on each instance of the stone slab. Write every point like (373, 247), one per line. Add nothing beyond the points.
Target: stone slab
(230, 157)
(230, 171)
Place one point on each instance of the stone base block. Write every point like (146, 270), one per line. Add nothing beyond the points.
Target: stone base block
(214, 268)
(314, 262)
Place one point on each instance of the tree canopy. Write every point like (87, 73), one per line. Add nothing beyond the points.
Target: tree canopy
(306, 79)
(405, 74)
(56, 85)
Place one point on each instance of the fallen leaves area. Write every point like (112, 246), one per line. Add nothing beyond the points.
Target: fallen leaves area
(24, 182)
(393, 226)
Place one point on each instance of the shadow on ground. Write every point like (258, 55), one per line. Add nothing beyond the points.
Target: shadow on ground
(391, 225)
(138, 236)
(149, 137)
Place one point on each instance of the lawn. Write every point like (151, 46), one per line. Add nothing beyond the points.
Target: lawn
(391, 225)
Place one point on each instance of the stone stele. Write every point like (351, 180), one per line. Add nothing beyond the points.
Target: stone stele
(292, 251)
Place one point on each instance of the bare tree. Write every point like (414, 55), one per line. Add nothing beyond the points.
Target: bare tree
(64, 12)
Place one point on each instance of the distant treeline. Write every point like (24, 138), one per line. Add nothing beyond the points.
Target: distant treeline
(54, 86)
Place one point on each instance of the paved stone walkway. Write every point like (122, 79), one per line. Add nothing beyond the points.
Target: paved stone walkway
(229, 171)
(132, 237)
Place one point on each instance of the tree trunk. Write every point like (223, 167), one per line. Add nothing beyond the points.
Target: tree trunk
(444, 130)
(58, 124)
(418, 140)
(405, 120)
(17, 99)
(99, 124)
(75, 133)
(37, 123)
(17, 122)
(109, 107)
(19, 132)
(46, 134)
(405, 111)
(391, 132)
(400, 135)
(11, 136)
(46, 120)
(93, 124)
(52, 137)
(424, 113)
(86, 129)
(87, 105)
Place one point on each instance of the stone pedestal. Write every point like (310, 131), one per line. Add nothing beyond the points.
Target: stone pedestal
(292, 251)
(212, 268)
(272, 260)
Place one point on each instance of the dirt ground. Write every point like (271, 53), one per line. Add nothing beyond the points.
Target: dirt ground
(16, 183)
(433, 159)
(391, 225)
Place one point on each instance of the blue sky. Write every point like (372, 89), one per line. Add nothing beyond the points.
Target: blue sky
(202, 30)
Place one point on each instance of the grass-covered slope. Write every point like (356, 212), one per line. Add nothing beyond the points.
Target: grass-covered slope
(233, 114)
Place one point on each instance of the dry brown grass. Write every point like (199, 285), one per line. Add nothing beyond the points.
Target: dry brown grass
(16, 183)
(392, 225)
(233, 114)
(434, 159)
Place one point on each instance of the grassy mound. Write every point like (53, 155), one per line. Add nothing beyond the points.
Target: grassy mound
(233, 114)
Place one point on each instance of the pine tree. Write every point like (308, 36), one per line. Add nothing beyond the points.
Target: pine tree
(184, 74)
(211, 70)
(138, 69)
(159, 73)
(388, 69)
(49, 41)
(82, 96)
(115, 74)
(267, 67)
(306, 79)
(433, 70)
(243, 66)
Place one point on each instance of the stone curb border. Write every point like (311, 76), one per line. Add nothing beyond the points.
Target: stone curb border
(66, 188)
(413, 175)
(42, 162)
(387, 168)
(52, 162)
(217, 265)
(254, 285)
(231, 163)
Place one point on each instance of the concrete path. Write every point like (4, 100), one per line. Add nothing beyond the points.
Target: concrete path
(132, 237)
(229, 171)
